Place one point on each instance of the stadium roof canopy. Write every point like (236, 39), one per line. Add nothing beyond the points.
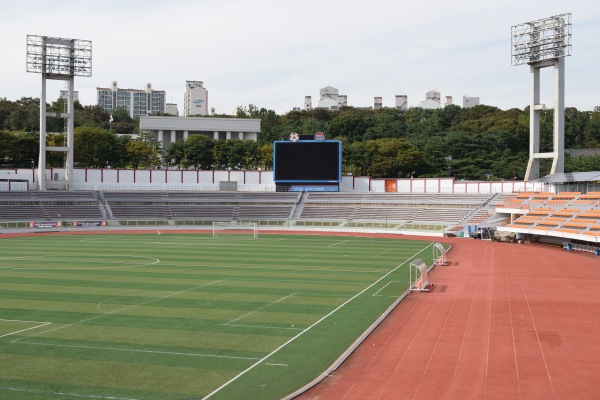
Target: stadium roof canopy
(571, 177)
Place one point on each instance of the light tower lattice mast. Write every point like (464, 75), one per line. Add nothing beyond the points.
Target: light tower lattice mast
(60, 59)
(544, 43)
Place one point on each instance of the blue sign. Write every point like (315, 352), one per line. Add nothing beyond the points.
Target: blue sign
(314, 188)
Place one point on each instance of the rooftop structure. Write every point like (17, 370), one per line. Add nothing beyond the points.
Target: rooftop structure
(469, 102)
(169, 130)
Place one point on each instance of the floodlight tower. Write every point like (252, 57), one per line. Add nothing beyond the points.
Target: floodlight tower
(59, 59)
(544, 43)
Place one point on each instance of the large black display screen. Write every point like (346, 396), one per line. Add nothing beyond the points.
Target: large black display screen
(307, 161)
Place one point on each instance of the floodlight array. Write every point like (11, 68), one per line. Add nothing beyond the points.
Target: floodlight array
(544, 39)
(58, 56)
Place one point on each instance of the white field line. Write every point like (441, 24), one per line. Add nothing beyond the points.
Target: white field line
(119, 310)
(153, 261)
(383, 252)
(299, 281)
(213, 266)
(258, 309)
(324, 249)
(338, 243)
(86, 396)
(124, 349)
(276, 365)
(262, 360)
(94, 239)
(383, 287)
(290, 328)
(40, 325)
(99, 305)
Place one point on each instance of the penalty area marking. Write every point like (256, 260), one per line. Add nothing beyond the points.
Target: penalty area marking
(119, 310)
(258, 309)
(149, 261)
(39, 324)
(88, 396)
(125, 349)
(276, 350)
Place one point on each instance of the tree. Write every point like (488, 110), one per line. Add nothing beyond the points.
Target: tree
(141, 154)
(92, 116)
(392, 158)
(175, 153)
(592, 130)
(94, 147)
(351, 124)
(270, 125)
(21, 148)
(388, 123)
(264, 156)
(198, 152)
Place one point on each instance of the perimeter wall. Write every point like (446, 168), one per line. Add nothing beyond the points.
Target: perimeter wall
(172, 179)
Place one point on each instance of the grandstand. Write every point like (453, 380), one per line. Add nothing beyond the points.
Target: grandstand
(563, 217)
(555, 217)
(122, 207)
(198, 198)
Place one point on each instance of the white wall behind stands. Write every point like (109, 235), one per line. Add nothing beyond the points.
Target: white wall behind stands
(161, 179)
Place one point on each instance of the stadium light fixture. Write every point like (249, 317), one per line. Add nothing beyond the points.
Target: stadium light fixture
(544, 43)
(59, 59)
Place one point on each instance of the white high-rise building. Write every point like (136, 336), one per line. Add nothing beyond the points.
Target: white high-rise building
(195, 101)
(136, 102)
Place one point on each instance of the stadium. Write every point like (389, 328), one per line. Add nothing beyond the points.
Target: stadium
(220, 284)
(300, 282)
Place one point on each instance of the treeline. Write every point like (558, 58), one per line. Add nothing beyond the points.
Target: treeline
(482, 142)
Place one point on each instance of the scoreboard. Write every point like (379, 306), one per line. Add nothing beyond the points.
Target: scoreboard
(307, 162)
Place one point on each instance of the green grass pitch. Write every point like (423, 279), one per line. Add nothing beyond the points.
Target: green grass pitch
(149, 317)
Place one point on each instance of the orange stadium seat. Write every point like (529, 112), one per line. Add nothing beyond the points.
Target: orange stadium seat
(548, 223)
(566, 230)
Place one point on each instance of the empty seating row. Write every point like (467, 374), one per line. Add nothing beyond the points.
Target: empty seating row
(387, 213)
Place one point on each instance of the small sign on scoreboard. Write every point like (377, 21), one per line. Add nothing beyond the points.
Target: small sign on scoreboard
(319, 136)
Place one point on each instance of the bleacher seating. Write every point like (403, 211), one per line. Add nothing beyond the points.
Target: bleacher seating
(327, 212)
(566, 212)
(45, 206)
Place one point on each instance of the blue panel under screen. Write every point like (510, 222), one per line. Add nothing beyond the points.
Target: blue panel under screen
(314, 188)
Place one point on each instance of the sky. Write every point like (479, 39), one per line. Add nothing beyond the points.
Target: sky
(273, 53)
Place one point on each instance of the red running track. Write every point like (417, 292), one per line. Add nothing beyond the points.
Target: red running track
(503, 321)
